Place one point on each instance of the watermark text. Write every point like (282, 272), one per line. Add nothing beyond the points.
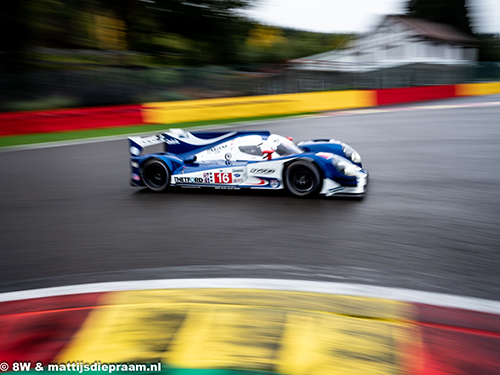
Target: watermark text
(80, 367)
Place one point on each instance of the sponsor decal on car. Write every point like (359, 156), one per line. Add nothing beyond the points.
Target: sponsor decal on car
(259, 183)
(238, 178)
(188, 180)
(172, 142)
(223, 178)
(136, 177)
(271, 182)
(238, 170)
(208, 178)
(217, 149)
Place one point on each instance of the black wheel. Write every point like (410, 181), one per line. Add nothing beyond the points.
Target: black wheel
(156, 175)
(303, 179)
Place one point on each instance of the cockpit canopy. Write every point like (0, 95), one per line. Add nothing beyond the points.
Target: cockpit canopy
(251, 147)
(281, 146)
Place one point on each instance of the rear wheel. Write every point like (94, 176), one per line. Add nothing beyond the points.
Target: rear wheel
(303, 179)
(156, 175)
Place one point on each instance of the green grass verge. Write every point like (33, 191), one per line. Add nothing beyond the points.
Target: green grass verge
(18, 140)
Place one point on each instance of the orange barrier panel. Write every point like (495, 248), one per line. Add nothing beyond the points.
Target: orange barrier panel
(473, 89)
(254, 106)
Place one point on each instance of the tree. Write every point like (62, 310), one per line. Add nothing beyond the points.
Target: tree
(13, 33)
(213, 25)
(211, 31)
(451, 12)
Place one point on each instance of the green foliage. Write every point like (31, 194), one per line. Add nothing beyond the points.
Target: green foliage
(50, 102)
(164, 32)
(161, 96)
(207, 30)
(455, 13)
(489, 48)
(161, 76)
(290, 44)
(451, 12)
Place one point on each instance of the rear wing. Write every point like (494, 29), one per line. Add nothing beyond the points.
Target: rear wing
(137, 144)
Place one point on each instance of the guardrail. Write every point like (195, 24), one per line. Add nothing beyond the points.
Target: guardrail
(17, 123)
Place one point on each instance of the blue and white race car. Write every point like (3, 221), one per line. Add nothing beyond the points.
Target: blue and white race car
(247, 159)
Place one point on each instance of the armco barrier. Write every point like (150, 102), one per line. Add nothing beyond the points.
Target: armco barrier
(16, 123)
(228, 108)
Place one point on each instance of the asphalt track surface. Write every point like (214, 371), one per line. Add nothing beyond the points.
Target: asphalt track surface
(430, 220)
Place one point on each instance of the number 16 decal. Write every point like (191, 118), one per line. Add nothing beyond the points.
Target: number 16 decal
(223, 178)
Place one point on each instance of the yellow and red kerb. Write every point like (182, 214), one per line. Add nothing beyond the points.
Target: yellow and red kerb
(285, 332)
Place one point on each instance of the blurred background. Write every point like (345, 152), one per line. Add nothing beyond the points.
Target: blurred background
(427, 223)
(74, 53)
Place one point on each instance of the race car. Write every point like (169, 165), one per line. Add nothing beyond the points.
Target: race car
(247, 159)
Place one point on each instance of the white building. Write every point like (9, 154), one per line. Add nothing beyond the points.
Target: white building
(397, 41)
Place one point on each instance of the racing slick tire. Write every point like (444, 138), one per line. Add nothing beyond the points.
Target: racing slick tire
(156, 175)
(303, 179)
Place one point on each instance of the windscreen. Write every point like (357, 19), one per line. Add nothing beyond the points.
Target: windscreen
(251, 150)
(287, 147)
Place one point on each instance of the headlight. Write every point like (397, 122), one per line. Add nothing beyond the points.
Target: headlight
(351, 153)
(345, 166)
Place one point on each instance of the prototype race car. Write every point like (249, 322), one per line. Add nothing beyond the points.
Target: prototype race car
(247, 159)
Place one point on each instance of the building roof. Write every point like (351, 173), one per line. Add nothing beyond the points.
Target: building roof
(348, 59)
(436, 30)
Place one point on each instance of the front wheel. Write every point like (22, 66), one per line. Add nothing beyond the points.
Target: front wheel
(156, 175)
(303, 179)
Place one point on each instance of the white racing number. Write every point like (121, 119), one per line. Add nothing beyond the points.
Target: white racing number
(223, 177)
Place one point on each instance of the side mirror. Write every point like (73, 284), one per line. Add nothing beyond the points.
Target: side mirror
(190, 160)
(267, 154)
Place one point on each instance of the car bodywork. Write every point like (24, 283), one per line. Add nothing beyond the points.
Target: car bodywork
(247, 159)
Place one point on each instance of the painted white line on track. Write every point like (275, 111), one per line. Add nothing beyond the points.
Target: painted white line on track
(357, 290)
